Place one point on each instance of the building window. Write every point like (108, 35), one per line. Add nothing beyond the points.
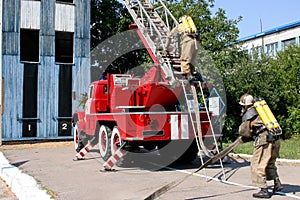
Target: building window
(288, 42)
(272, 49)
(29, 45)
(64, 47)
(65, 1)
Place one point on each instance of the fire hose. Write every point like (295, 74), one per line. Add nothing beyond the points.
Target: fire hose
(212, 160)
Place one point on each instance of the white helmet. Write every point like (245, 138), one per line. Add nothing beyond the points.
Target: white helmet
(246, 100)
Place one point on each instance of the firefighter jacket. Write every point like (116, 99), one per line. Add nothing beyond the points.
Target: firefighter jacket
(178, 31)
(252, 128)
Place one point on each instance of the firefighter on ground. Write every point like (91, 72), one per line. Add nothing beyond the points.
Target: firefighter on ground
(189, 44)
(266, 148)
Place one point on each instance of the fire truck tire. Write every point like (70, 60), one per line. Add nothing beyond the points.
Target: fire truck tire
(75, 135)
(104, 142)
(115, 141)
(78, 138)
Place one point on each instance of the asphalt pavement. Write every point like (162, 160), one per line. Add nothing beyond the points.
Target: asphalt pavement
(55, 169)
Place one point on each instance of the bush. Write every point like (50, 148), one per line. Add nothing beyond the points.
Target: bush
(292, 123)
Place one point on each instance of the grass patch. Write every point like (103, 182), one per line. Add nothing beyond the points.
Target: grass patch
(290, 149)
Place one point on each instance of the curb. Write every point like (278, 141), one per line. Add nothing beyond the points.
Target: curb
(22, 185)
(278, 160)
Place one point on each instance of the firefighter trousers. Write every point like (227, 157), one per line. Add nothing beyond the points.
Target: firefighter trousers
(263, 166)
(189, 52)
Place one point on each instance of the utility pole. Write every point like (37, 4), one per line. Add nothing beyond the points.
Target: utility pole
(262, 37)
(1, 82)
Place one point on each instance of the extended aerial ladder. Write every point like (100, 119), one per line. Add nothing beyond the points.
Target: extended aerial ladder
(154, 31)
(154, 25)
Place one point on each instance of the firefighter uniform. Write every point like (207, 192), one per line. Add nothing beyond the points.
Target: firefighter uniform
(189, 48)
(266, 150)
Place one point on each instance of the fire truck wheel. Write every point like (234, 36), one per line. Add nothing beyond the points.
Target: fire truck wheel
(115, 141)
(104, 142)
(79, 138)
(76, 135)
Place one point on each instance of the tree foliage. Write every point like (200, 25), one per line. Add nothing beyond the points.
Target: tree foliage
(216, 30)
(286, 68)
(108, 17)
(274, 79)
(109, 20)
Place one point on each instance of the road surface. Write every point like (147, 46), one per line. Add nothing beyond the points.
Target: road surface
(53, 166)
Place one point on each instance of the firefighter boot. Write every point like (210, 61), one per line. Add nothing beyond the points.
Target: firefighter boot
(263, 194)
(277, 185)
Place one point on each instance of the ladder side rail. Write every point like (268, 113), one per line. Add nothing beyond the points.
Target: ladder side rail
(168, 12)
(207, 113)
(143, 12)
(142, 18)
(212, 130)
(168, 71)
(151, 23)
(167, 68)
(139, 24)
(191, 117)
(142, 25)
(198, 121)
(193, 126)
(167, 20)
(168, 17)
(133, 15)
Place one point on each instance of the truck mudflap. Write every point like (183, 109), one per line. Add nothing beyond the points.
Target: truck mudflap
(113, 159)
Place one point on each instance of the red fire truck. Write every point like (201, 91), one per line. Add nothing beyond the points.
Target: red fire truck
(155, 112)
(123, 108)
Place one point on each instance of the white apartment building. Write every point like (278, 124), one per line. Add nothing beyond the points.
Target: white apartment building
(273, 40)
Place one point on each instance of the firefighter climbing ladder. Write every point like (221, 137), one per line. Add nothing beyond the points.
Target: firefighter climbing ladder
(155, 31)
(191, 99)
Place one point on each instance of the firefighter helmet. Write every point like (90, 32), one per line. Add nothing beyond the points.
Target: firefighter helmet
(246, 100)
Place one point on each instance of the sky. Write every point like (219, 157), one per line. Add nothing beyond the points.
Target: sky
(272, 13)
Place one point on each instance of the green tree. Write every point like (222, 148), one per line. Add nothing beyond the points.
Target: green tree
(108, 19)
(287, 68)
(216, 31)
(274, 79)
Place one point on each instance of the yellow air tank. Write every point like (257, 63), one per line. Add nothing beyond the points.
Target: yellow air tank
(192, 25)
(266, 114)
(270, 114)
(185, 24)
